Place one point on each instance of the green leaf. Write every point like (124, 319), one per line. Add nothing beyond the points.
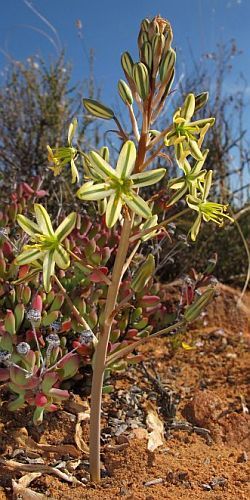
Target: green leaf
(61, 257)
(43, 219)
(28, 256)
(48, 269)
(113, 211)
(102, 168)
(98, 109)
(50, 318)
(126, 160)
(27, 225)
(138, 205)
(94, 192)
(66, 227)
(148, 178)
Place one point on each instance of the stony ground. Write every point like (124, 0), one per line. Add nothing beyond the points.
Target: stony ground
(198, 398)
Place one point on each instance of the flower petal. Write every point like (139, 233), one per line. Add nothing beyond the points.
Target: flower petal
(91, 191)
(27, 225)
(193, 202)
(195, 227)
(72, 130)
(148, 178)
(177, 196)
(61, 257)
(101, 167)
(43, 219)
(74, 172)
(113, 211)
(126, 160)
(28, 256)
(138, 205)
(188, 107)
(48, 269)
(66, 226)
(177, 183)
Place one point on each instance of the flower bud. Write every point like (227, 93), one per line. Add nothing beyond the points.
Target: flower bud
(98, 109)
(125, 92)
(127, 64)
(141, 79)
(86, 337)
(201, 100)
(142, 38)
(145, 24)
(158, 43)
(104, 152)
(193, 311)
(147, 55)
(167, 65)
(53, 340)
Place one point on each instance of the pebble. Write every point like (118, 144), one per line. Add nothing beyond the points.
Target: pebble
(154, 481)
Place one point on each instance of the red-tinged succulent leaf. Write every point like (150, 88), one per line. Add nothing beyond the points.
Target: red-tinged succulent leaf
(40, 399)
(4, 374)
(19, 378)
(57, 302)
(58, 394)
(149, 300)
(9, 322)
(6, 342)
(66, 325)
(48, 381)
(131, 333)
(7, 249)
(51, 407)
(30, 360)
(27, 189)
(98, 275)
(37, 303)
(69, 366)
(26, 294)
(41, 192)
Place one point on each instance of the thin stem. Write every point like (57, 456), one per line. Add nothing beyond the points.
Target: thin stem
(37, 343)
(101, 352)
(123, 134)
(158, 226)
(73, 308)
(134, 122)
(152, 157)
(130, 258)
(126, 350)
(159, 137)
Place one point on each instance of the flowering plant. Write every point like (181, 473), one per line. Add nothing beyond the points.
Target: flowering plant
(125, 281)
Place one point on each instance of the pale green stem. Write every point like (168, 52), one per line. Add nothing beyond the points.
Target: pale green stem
(101, 353)
(158, 226)
(126, 350)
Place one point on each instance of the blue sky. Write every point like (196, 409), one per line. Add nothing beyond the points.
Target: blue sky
(111, 27)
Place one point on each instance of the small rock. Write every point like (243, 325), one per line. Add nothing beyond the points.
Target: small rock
(243, 457)
(204, 409)
(154, 481)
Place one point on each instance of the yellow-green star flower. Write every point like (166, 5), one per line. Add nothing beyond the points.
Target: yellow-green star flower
(64, 155)
(47, 243)
(189, 182)
(207, 210)
(185, 135)
(119, 185)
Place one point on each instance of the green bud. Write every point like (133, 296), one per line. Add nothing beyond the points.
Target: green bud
(144, 274)
(167, 65)
(158, 43)
(145, 24)
(153, 29)
(147, 55)
(98, 109)
(125, 92)
(193, 311)
(201, 100)
(141, 79)
(142, 38)
(127, 64)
